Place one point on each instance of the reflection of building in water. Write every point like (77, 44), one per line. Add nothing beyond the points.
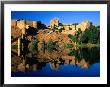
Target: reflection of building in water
(30, 65)
(55, 62)
(83, 63)
(74, 61)
(54, 66)
(34, 67)
(19, 47)
(21, 67)
(69, 59)
(23, 43)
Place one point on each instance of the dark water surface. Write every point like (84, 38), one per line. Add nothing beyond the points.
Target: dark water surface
(83, 62)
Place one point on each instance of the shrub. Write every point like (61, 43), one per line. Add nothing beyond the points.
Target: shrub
(33, 46)
(50, 45)
(73, 38)
(14, 46)
(69, 46)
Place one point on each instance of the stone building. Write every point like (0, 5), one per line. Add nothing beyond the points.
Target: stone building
(74, 27)
(70, 28)
(54, 22)
(21, 24)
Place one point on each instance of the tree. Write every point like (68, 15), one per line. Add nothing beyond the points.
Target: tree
(50, 45)
(73, 38)
(91, 35)
(33, 46)
(55, 27)
(78, 35)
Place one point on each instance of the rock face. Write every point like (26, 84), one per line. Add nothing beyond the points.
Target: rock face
(46, 36)
(16, 32)
(43, 35)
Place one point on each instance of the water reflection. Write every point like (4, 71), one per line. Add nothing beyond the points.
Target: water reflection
(82, 59)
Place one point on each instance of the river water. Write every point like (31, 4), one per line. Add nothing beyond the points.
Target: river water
(83, 62)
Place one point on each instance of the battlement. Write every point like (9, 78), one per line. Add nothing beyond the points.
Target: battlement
(21, 24)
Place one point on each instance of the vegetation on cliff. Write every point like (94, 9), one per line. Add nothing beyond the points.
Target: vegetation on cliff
(90, 37)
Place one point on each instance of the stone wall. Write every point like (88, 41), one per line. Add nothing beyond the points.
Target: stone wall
(21, 24)
(72, 27)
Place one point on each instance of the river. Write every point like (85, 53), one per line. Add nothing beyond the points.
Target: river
(82, 62)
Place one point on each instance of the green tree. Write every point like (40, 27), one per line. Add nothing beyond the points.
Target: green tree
(55, 28)
(78, 35)
(60, 30)
(72, 37)
(50, 45)
(91, 35)
(33, 46)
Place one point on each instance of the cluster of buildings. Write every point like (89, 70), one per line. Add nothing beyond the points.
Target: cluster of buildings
(25, 24)
(67, 28)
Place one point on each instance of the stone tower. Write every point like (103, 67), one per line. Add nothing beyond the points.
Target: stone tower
(21, 24)
(54, 22)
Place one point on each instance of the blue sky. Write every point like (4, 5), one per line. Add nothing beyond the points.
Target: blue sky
(66, 17)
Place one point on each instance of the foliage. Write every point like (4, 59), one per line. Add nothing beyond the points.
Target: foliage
(31, 31)
(78, 35)
(91, 35)
(73, 38)
(33, 46)
(60, 30)
(69, 46)
(50, 45)
(14, 46)
(89, 54)
(55, 27)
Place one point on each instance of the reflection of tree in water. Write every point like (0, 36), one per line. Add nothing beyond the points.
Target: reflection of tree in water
(92, 55)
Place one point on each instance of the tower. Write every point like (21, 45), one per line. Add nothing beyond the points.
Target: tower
(54, 22)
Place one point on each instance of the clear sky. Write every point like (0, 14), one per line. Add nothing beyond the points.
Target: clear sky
(66, 17)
